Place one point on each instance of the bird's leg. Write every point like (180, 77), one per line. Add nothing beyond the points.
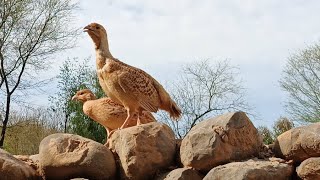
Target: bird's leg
(138, 119)
(110, 132)
(129, 118)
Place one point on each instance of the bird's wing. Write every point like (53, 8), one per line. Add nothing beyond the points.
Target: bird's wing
(111, 106)
(138, 84)
(102, 83)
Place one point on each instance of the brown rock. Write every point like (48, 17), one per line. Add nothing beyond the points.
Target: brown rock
(299, 143)
(309, 169)
(251, 170)
(266, 151)
(22, 157)
(13, 168)
(66, 156)
(144, 149)
(220, 140)
(34, 158)
(181, 174)
(32, 161)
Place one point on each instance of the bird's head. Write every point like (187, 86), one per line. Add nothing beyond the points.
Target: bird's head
(96, 32)
(84, 95)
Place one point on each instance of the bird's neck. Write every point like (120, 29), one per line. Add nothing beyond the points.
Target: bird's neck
(93, 97)
(88, 101)
(103, 53)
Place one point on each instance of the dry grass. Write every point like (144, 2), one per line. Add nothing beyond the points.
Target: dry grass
(26, 129)
(25, 137)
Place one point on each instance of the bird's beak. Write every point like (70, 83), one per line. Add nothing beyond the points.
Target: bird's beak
(87, 28)
(74, 98)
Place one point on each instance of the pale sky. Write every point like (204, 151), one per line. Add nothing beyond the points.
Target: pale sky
(160, 36)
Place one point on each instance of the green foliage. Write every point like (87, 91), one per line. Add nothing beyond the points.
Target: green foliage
(73, 77)
(82, 125)
(267, 135)
(301, 80)
(282, 125)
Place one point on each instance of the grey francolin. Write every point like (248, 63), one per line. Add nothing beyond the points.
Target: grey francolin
(106, 112)
(136, 90)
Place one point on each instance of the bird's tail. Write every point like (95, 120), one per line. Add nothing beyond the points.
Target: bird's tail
(174, 111)
(167, 103)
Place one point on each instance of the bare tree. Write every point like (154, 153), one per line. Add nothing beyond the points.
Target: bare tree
(31, 31)
(282, 125)
(301, 80)
(205, 89)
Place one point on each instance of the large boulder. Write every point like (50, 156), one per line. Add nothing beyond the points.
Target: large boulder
(220, 140)
(13, 168)
(181, 174)
(143, 150)
(299, 143)
(66, 156)
(251, 170)
(309, 169)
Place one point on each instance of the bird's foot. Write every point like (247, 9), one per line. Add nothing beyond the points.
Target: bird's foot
(107, 143)
(110, 132)
(138, 123)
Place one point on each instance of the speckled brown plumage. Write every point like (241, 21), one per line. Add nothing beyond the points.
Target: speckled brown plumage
(106, 112)
(136, 90)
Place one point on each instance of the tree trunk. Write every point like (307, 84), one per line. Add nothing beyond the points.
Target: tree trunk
(5, 121)
(65, 123)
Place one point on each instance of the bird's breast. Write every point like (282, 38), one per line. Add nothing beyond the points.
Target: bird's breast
(110, 85)
(87, 109)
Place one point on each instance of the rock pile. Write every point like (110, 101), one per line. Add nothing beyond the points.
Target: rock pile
(224, 147)
(302, 146)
